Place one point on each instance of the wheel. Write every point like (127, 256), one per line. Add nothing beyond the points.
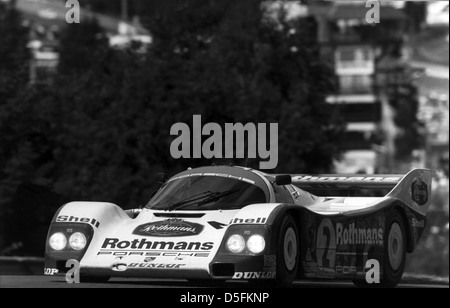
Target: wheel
(288, 251)
(394, 250)
(394, 253)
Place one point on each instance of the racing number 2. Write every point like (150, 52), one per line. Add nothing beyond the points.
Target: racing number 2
(326, 244)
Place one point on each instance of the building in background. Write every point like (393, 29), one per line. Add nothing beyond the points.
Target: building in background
(46, 18)
(438, 13)
(370, 66)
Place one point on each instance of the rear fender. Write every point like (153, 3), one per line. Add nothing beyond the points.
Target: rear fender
(414, 190)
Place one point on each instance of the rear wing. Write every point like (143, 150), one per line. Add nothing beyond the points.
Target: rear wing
(413, 188)
(346, 181)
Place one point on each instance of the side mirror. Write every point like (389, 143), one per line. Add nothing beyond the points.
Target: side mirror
(283, 179)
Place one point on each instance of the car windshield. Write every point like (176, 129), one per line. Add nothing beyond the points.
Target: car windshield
(206, 193)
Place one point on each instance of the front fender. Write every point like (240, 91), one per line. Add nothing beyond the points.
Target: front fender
(254, 214)
(98, 214)
(89, 218)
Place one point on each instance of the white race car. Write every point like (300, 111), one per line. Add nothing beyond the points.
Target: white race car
(225, 222)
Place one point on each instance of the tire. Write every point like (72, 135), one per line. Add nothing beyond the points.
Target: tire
(394, 253)
(288, 251)
(394, 250)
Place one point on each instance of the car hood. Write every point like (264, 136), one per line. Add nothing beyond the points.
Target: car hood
(188, 239)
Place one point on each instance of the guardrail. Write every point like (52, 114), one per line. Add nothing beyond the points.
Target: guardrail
(21, 266)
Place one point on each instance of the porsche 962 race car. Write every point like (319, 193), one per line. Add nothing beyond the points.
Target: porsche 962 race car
(225, 222)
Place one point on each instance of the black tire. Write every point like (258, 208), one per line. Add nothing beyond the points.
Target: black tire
(394, 250)
(394, 253)
(288, 251)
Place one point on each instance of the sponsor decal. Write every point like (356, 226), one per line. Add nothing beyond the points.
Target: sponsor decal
(352, 235)
(309, 265)
(217, 225)
(309, 262)
(119, 267)
(323, 272)
(151, 254)
(155, 265)
(419, 192)
(335, 243)
(370, 179)
(212, 174)
(50, 271)
(169, 227)
(270, 260)
(115, 243)
(346, 270)
(259, 220)
(65, 218)
(418, 223)
(254, 275)
(308, 256)
(326, 245)
(149, 259)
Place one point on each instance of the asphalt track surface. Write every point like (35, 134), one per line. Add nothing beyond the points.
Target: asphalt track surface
(59, 282)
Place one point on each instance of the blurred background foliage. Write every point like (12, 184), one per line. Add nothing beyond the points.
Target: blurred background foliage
(101, 130)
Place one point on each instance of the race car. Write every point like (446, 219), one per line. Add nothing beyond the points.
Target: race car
(218, 223)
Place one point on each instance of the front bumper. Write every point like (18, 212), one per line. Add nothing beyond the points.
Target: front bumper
(227, 267)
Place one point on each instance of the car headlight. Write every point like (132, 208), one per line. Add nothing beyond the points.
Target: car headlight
(236, 243)
(58, 241)
(77, 241)
(256, 243)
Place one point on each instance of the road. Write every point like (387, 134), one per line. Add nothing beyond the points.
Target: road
(59, 282)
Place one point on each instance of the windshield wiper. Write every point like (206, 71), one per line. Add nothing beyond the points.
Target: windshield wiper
(208, 198)
(195, 197)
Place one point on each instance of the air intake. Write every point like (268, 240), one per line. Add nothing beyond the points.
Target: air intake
(179, 215)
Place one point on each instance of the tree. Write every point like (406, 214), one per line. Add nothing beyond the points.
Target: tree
(102, 131)
(14, 60)
(409, 138)
(14, 54)
(231, 63)
(81, 46)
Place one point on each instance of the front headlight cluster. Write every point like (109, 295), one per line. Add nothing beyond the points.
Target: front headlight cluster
(255, 243)
(58, 241)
